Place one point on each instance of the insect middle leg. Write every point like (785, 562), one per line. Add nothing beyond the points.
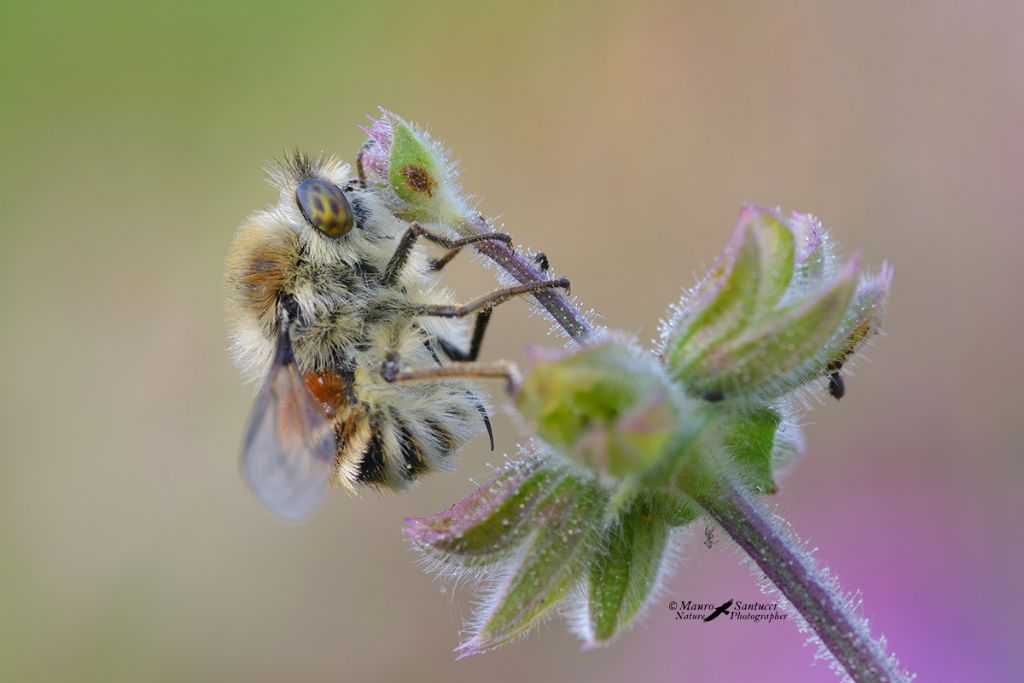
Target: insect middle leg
(479, 328)
(485, 305)
(398, 260)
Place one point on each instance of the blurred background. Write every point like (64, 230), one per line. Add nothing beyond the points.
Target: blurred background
(619, 138)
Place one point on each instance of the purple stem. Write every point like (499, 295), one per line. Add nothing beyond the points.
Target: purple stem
(794, 573)
(566, 315)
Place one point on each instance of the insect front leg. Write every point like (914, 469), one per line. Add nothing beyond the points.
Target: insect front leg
(457, 246)
(488, 301)
(401, 256)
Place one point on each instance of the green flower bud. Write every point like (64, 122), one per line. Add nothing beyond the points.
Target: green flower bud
(608, 405)
(416, 174)
(772, 314)
(772, 358)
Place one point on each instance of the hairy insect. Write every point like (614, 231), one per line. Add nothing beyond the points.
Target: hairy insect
(366, 360)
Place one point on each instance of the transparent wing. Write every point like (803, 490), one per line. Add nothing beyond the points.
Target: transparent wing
(289, 447)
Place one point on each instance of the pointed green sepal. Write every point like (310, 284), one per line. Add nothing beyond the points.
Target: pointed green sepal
(863, 318)
(552, 562)
(747, 281)
(625, 571)
(488, 525)
(774, 358)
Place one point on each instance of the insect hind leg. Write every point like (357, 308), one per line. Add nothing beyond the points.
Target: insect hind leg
(499, 369)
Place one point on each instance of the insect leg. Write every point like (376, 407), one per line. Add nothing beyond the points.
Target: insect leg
(487, 423)
(479, 328)
(501, 369)
(836, 386)
(391, 372)
(405, 245)
(457, 245)
(483, 318)
(491, 300)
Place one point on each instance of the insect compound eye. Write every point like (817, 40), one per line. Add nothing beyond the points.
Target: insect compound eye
(324, 206)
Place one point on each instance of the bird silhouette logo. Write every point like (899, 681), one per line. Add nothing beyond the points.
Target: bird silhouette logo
(719, 611)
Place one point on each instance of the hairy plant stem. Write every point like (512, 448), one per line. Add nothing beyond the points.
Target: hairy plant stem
(736, 511)
(794, 573)
(566, 315)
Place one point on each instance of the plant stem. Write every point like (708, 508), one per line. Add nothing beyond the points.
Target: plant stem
(794, 573)
(565, 314)
(781, 559)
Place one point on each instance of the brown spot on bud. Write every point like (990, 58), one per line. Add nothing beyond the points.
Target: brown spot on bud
(419, 180)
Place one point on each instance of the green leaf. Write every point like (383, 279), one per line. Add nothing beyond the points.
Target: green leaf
(677, 511)
(552, 563)
(750, 440)
(624, 572)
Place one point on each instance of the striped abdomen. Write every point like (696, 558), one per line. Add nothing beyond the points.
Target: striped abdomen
(388, 435)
